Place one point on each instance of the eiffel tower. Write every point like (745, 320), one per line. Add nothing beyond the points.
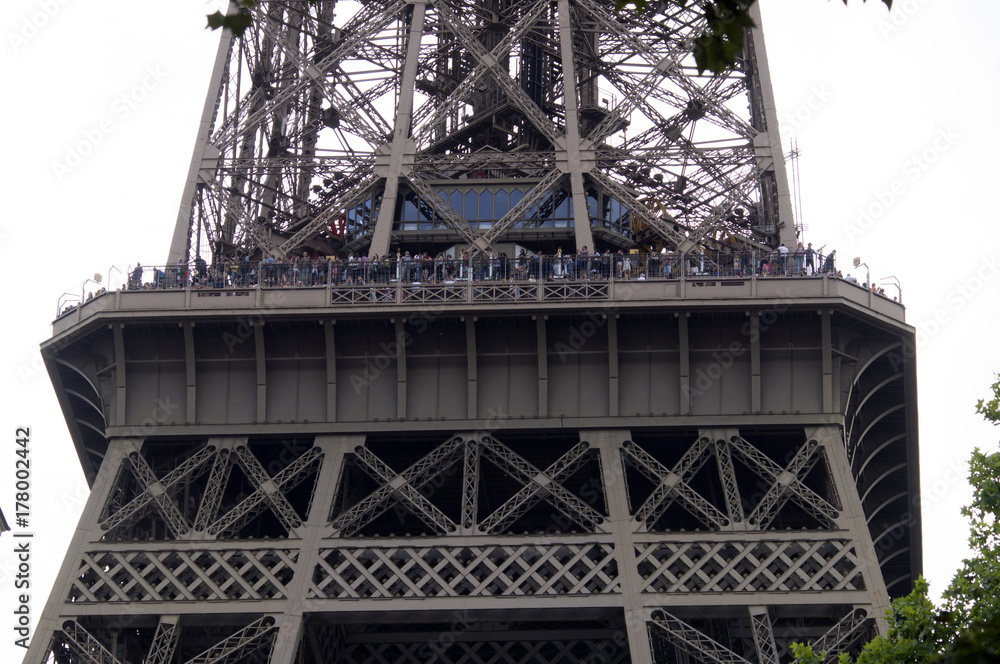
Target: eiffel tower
(610, 421)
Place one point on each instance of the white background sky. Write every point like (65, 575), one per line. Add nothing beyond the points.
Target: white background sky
(895, 113)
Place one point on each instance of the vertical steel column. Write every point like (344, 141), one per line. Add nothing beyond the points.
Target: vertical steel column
(291, 622)
(571, 155)
(399, 153)
(852, 518)
(608, 442)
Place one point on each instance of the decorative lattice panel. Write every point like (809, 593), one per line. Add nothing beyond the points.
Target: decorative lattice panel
(156, 576)
(567, 569)
(487, 652)
(782, 566)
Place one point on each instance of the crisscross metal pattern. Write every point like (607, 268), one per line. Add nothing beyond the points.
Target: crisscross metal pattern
(745, 567)
(466, 571)
(693, 641)
(582, 651)
(183, 575)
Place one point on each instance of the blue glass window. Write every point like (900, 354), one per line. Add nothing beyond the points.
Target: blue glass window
(486, 205)
(500, 204)
(471, 205)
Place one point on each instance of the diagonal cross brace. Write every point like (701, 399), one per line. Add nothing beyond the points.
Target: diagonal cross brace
(86, 645)
(172, 517)
(672, 484)
(538, 485)
(242, 643)
(492, 64)
(404, 487)
(786, 483)
(693, 641)
(184, 472)
(269, 492)
(516, 213)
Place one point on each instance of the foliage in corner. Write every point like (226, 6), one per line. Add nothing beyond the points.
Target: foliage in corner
(967, 628)
(991, 409)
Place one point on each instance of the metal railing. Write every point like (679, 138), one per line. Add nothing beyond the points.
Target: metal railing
(444, 269)
(483, 278)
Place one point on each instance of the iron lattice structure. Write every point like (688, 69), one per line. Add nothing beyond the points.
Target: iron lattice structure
(674, 470)
(339, 126)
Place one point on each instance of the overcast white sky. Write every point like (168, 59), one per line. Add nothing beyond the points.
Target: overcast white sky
(895, 115)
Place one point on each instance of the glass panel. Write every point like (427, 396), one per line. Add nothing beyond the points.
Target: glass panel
(562, 206)
(410, 212)
(456, 202)
(486, 205)
(471, 205)
(500, 204)
(515, 198)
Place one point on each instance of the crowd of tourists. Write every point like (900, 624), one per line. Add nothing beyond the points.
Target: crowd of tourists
(310, 270)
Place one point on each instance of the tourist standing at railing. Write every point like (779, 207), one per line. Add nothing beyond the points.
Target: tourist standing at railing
(829, 265)
(782, 260)
(135, 283)
(800, 258)
(583, 263)
(810, 256)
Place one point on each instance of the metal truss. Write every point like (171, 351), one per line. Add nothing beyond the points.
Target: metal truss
(246, 641)
(404, 488)
(161, 651)
(840, 637)
(499, 570)
(84, 644)
(537, 486)
(183, 575)
(693, 641)
(309, 96)
(763, 635)
(516, 651)
(155, 494)
(786, 483)
(268, 492)
(733, 566)
(672, 484)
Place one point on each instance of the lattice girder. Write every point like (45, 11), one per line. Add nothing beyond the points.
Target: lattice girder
(839, 637)
(183, 575)
(85, 644)
(673, 484)
(537, 485)
(161, 650)
(734, 566)
(694, 641)
(247, 640)
(268, 492)
(763, 635)
(125, 517)
(786, 483)
(497, 570)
